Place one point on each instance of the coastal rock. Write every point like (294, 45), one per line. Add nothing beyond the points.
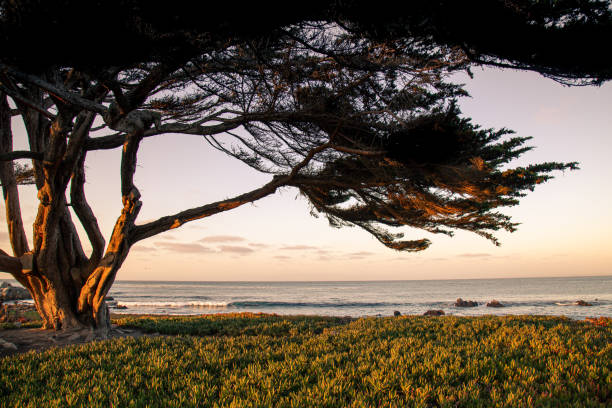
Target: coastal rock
(120, 307)
(495, 303)
(7, 345)
(582, 303)
(9, 292)
(465, 303)
(434, 313)
(396, 313)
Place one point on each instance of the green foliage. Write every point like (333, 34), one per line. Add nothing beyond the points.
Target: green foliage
(233, 324)
(396, 362)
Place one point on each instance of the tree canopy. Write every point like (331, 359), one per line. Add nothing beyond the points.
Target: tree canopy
(352, 106)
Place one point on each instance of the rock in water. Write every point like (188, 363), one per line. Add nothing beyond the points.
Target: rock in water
(9, 292)
(434, 313)
(495, 303)
(465, 303)
(396, 313)
(582, 303)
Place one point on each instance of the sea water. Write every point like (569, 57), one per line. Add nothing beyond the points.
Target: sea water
(524, 296)
(521, 296)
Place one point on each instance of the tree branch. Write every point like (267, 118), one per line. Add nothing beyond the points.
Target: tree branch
(21, 154)
(66, 96)
(117, 140)
(17, 235)
(150, 229)
(86, 216)
(9, 263)
(26, 102)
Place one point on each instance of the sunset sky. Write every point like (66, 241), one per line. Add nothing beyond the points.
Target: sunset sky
(566, 223)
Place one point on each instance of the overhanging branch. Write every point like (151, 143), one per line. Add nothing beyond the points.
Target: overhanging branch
(140, 232)
(64, 95)
(21, 154)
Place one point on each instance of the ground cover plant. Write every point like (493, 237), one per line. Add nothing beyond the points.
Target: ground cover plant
(263, 360)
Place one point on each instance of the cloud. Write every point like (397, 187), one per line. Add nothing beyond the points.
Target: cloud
(476, 255)
(283, 257)
(187, 248)
(360, 254)
(297, 247)
(141, 248)
(236, 249)
(222, 238)
(258, 245)
(169, 237)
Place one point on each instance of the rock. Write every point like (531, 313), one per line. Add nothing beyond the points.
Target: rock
(109, 298)
(7, 345)
(121, 307)
(434, 313)
(465, 303)
(9, 292)
(495, 303)
(582, 303)
(396, 313)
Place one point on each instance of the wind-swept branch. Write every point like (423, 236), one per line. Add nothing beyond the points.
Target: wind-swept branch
(147, 230)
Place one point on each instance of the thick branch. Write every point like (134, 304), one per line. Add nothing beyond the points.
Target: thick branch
(9, 263)
(141, 232)
(21, 154)
(26, 102)
(64, 95)
(17, 235)
(117, 140)
(86, 216)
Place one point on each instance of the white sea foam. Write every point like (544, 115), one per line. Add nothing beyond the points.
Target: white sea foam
(175, 305)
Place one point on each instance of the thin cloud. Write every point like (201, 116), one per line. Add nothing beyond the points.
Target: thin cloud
(169, 237)
(360, 254)
(236, 249)
(283, 257)
(258, 245)
(142, 248)
(223, 238)
(183, 247)
(475, 255)
(298, 248)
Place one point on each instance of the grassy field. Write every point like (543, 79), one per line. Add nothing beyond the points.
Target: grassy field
(277, 361)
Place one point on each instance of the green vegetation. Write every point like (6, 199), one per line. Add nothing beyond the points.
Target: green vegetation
(261, 360)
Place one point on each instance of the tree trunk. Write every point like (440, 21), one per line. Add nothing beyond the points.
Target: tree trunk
(57, 300)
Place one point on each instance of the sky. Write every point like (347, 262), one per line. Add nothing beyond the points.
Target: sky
(566, 224)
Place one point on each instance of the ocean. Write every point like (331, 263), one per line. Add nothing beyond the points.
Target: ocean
(524, 296)
(520, 296)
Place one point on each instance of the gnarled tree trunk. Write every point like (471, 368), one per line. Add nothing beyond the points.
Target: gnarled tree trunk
(67, 286)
